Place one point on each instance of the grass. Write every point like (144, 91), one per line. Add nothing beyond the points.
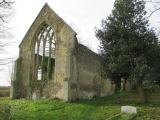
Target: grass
(97, 109)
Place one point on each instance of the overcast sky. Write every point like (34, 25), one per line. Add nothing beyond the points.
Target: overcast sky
(82, 15)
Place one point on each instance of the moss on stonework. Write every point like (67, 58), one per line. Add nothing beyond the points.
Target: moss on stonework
(75, 63)
(16, 82)
(40, 84)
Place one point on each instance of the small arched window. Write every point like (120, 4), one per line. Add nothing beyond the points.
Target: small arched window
(45, 53)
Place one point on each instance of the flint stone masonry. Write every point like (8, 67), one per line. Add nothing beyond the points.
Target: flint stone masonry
(129, 109)
(73, 73)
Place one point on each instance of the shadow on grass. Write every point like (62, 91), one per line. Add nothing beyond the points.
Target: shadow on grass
(119, 99)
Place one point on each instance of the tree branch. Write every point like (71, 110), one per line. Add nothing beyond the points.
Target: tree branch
(5, 5)
(6, 59)
(6, 2)
(151, 1)
(6, 63)
(154, 12)
(1, 18)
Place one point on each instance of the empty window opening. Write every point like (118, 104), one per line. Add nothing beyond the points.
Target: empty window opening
(39, 74)
(45, 53)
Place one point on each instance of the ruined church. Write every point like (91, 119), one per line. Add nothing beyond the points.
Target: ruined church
(53, 64)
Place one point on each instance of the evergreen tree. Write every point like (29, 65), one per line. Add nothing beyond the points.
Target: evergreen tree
(127, 43)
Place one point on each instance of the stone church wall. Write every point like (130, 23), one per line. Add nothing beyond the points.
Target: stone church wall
(77, 71)
(90, 82)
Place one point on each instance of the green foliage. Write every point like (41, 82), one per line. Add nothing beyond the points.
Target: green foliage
(97, 109)
(5, 112)
(124, 117)
(129, 47)
(47, 75)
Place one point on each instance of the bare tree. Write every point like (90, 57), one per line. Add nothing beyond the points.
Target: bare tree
(154, 12)
(6, 8)
(155, 4)
(5, 5)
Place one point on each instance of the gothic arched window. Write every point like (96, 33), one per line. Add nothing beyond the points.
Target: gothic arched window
(45, 53)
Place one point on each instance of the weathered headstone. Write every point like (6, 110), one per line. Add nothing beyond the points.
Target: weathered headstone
(129, 109)
(34, 96)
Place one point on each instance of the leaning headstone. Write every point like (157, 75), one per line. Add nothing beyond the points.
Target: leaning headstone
(129, 109)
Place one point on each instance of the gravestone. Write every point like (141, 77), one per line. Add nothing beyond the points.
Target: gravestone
(129, 109)
(34, 96)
